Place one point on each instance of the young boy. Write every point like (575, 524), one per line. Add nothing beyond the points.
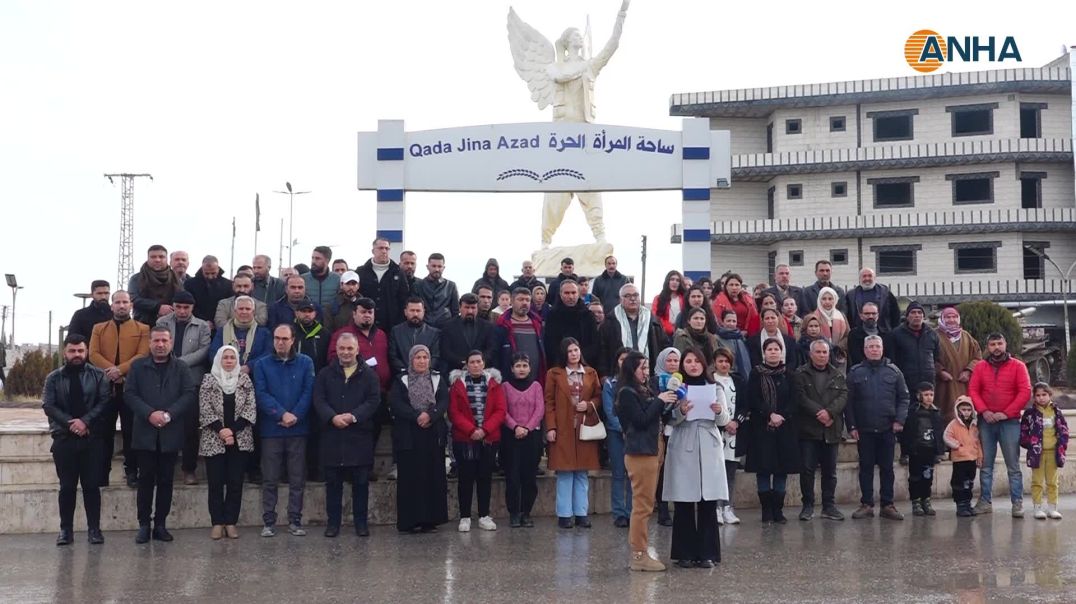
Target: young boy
(962, 438)
(924, 444)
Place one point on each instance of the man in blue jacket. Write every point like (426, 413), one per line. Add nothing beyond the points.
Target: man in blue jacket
(283, 385)
(875, 414)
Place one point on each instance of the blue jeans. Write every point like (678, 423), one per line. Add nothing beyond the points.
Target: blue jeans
(621, 493)
(771, 482)
(876, 449)
(572, 493)
(1007, 434)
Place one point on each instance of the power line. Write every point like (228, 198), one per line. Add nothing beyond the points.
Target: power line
(125, 264)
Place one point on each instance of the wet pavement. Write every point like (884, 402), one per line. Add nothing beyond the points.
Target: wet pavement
(943, 559)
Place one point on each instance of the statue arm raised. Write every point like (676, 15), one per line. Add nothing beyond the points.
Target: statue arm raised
(600, 59)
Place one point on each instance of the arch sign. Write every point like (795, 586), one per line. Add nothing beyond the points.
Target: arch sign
(548, 157)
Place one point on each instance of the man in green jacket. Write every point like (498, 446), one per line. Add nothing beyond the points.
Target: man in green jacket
(821, 395)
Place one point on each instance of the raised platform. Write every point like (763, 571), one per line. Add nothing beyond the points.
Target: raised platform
(28, 488)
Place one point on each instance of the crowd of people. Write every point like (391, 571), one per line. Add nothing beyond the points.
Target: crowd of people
(267, 379)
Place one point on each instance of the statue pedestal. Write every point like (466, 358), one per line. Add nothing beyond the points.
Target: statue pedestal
(589, 259)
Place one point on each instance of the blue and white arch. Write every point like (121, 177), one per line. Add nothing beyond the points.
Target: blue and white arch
(389, 176)
(695, 196)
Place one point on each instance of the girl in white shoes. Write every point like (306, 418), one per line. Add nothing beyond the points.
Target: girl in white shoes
(1045, 434)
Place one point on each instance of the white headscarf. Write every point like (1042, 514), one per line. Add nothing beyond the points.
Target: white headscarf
(833, 314)
(228, 380)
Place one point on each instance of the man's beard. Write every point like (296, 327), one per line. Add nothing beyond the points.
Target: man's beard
(867, 287)
(870, 323)
(365, 326)
(414, 322)
(468, 319)
(78, 362)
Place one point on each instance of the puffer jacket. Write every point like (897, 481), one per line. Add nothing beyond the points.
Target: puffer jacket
(1005, 388)
(461, 415)
(1031, 429)
(877, 397)
(963, 441)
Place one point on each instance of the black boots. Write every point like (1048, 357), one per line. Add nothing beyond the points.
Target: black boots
(582, 522)
(777, 500)
(664, 518)
(767, 507)
(95, 537)
(143, 534)
(160, 533)
(66, 537)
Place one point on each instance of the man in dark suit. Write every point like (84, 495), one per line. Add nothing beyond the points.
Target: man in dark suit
(465, 333)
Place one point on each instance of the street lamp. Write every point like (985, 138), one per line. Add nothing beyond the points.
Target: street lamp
(291, 213)
(15, 287)
(1066, 282)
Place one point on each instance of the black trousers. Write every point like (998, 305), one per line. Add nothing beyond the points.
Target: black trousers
(116, 408)
(963, 481)
(155, 473)
(920, 475)
(192, 433)
(334, 493)
(815, 454)
(224, 473)
(519, 459)
(695, 531)
(876, 449)
(79, 460)
(475, 473)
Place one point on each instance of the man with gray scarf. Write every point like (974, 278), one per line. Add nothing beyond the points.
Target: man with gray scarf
(867, 325)
(870, 291)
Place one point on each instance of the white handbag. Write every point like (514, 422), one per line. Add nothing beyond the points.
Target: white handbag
(595, 432)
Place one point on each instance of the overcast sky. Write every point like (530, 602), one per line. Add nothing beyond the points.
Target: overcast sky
(222, 100)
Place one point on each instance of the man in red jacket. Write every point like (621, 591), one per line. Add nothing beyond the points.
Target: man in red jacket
(1000, 388)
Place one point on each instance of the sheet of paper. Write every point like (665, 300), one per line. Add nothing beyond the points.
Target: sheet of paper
(701, 397)
(371, 362)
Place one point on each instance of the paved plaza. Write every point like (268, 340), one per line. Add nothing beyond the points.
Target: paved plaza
(986, 559)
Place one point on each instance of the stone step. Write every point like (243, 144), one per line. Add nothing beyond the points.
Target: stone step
(33, 508)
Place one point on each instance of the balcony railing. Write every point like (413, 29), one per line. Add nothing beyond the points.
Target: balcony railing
(999, 290)
(883, 225)
(754, 166)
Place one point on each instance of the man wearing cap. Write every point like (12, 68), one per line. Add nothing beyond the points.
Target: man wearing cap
(915, 351)
(191, 338)
(567, 271)
(283, 310)
(321, 283)
(313, 341)
(242, 285)
(339, 312)
(209, 287)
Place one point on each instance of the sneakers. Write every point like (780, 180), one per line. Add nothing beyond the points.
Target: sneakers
(296, 530)
(917, 508)
(332, 531)
(927, 508)
(514, 521)
(1039, 513)
(641, 561)
(1018, 509)
(268, 531)
(1052, 513)
(807, 512)
(486, 523)
(730, 515)
(984, 507)
(890, 512)
(525, 521)
(830, 512)
(720, 517)
(864, 511)
(565, 522)
(621, 522)
(963, 510)
(465, 525)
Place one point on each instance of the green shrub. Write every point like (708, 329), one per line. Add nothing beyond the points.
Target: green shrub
(27, 376)
(983, 318)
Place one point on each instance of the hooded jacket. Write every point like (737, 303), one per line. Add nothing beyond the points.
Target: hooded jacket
(497, 284)
(963, 440)
(462, 417)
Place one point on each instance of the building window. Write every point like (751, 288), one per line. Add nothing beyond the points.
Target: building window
(977, 187)
(972, 120)
(795, 191)
(895, 260)
(838, 189)
(771, 265)
(1031, 120)
(838, 256)
(1035, 264)
(795, 258)
(769, 138)
(836, 123)
(894, 192)
(893, 125)
(770, 194)
(794, 126)
(1031, 190)
(975, 257)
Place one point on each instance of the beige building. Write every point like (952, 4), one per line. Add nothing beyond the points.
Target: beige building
(947, 184)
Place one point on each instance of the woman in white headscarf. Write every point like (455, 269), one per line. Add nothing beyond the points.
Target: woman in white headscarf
(834, 324)
(227, 413)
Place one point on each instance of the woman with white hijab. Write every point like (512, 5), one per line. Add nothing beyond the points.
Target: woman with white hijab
(226, 414)
(835, 326)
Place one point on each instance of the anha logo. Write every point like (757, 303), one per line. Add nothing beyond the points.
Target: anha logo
(926, 50)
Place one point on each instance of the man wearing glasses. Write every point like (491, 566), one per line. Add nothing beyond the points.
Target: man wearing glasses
(630, 324)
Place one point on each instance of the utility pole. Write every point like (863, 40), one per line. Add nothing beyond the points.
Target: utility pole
(642, 287)
(3, 325)
(125, 264)
(291, 217)
(49, 349)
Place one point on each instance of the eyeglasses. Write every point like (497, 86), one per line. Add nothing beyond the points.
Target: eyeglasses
(630, 296)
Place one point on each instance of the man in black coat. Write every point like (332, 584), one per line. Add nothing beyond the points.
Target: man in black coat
(570, 318)
(871, 292)
(160, 391)
(346, 396)
(567, 271)
(465, 333)
(75, 398)
(491, 277)
(823, 271)
(607, 285)
(782, 288)
(643, 331)
(384, 282)
(527, 279)
(208, 287)
(414, 330)
(98, 311)
(868, 326)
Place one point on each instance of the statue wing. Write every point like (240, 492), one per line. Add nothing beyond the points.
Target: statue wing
(532, 53)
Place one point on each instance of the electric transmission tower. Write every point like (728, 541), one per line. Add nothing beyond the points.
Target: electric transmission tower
(125, 266)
